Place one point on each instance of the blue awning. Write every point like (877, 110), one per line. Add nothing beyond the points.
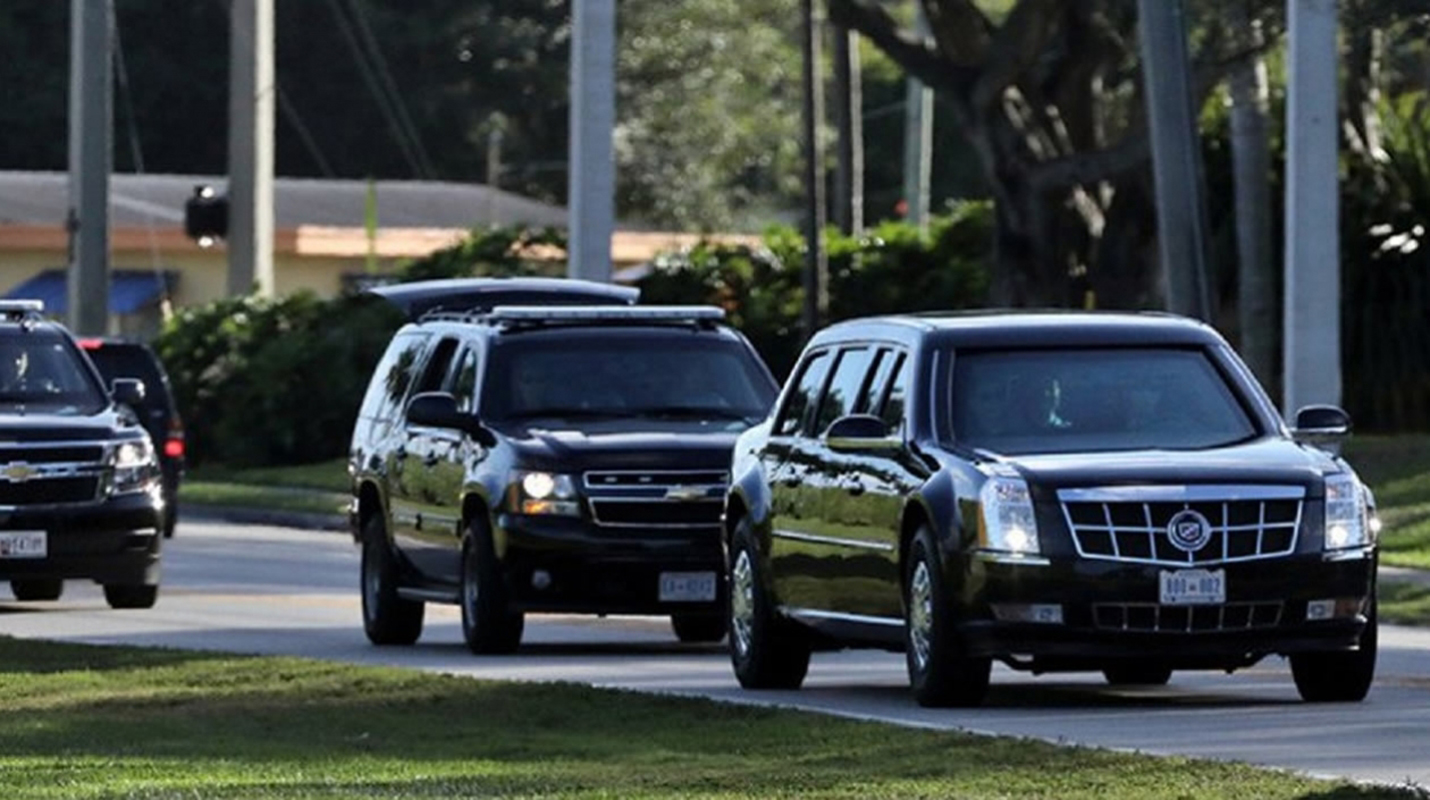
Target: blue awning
(130, 290)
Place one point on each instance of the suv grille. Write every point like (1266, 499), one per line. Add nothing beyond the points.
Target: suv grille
(1132, 524)
(656, 498)
(1154, 618)
(49, 473)
(50, 490)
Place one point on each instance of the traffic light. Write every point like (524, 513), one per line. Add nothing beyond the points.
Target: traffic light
(206, 216)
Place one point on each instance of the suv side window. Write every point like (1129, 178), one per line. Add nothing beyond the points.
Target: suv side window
(897, 396)
(392, 376)
(435, 373)
(844, 387)
(464, 382)
(811, 379)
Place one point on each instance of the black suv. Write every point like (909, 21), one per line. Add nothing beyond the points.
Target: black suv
(544, 458)
(120, 358)
(1057, 491)
(80, 489)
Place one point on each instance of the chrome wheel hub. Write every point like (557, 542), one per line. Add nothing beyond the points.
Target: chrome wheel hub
(742, 602)
(920, 614)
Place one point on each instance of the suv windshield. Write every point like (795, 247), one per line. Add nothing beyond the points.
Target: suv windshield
(682, 376)
(42, 371)
(1089, 400)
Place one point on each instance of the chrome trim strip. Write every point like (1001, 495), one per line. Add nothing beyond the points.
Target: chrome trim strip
(1179, 494)
(51, 470)
(837, 616)
(1013, 559)
(1348, 554)
(882, 547)
(586, 478)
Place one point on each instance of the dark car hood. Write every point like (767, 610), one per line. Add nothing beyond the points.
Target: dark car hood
(625, 444)
(1264, 461)
(112, 423)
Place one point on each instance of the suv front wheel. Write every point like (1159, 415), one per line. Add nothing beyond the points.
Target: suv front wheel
(386, 617)
(940, 673)
(37, 589)
(137, 595)
(488, 623)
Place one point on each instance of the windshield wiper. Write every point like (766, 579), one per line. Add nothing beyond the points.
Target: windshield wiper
(692, 412)
(565, 413)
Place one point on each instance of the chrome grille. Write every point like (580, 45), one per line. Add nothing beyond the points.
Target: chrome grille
(656, 498)
(1153, 618)
(46, 473)
(1130, 523)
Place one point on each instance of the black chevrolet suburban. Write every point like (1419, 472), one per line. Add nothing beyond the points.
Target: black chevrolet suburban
(1056, 491)
(548, 458)
(80, 490)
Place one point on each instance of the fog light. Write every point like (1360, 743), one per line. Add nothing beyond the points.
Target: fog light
(1335, 608)
(540, 579)
(1320, 609)
(1045, 613)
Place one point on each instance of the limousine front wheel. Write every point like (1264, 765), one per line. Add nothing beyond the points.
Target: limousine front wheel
(767, 650)
(939, 672)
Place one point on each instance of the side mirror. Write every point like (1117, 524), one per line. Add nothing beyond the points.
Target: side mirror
(129, 391)
(859, 432)
(439, 410)
(1321, 422)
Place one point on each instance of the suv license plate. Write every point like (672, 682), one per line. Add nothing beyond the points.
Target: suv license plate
(23, 544)
(1194, 587)
(687, 587)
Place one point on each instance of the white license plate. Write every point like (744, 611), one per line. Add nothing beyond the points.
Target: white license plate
(23, 544)
(687, 587)
(1194, 587)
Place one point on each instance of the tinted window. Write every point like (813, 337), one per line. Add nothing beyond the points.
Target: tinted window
(464, 383)
(41, 370)
(676, 375)
(802, 396)
(845, 387)
(883, 364)
(133, 360)
(434, 375)
(897, 398)
(392, 375)
(1094, 399)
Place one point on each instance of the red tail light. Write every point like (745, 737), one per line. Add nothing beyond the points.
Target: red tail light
(174, 445)
(90, 344)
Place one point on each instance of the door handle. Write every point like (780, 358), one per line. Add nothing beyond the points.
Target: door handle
(856, 488)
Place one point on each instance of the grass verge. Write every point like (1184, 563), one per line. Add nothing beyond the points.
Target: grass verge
(321, 488)
(89, 722)
(1397, 468)
(1403, 603)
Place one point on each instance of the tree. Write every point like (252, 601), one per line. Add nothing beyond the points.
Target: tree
(1049, 98)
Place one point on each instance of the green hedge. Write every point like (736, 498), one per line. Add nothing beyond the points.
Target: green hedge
(280, 381)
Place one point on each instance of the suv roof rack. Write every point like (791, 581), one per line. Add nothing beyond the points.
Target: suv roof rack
(547, 316)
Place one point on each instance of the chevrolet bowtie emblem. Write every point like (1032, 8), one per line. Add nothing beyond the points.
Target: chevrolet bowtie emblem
(685, 493)
(18, 472)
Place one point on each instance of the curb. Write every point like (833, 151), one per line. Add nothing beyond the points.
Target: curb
(263, 516)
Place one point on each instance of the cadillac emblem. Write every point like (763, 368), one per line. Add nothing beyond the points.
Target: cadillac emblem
(1189, 531)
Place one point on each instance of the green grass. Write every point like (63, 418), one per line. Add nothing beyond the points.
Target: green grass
(331, 476)
(321, 488)
(1397, 468)
(99, 722)
(1403, 603)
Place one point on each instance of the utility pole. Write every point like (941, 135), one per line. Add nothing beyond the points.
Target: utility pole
(251, 98)
(918, 139)
(849, 119)
(91, 157)
(1176, 157)
(591, 180)
(1312, 360)
(816, 264)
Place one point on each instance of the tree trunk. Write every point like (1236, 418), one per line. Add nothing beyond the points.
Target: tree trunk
(1257, 307)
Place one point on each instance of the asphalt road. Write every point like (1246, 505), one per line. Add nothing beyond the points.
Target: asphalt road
(261, 589)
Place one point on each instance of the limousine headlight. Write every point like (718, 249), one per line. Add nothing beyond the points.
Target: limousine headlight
(1006, 522)
(543, 493)
(1347, 525)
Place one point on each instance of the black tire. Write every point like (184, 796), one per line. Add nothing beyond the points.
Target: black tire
(140, 595)
(767, 650)
(1137, 673)
(171, 518)
(694, 628)
(1340, 677)
(940, 674)
(489, 626)
(386, 617)
(37, 589)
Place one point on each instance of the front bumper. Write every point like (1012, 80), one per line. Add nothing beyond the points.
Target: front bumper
(592, 569)
(1111, 611)
(114, 541)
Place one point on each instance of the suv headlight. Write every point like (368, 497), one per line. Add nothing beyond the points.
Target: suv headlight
(1006, 522)
(542, 493)
(1347, 523)
(134, 466)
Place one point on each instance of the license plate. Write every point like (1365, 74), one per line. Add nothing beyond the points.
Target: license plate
(23, 544)
(687, 587)
(1194, 587)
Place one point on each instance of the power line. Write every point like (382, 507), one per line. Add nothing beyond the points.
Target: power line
(384, 73)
